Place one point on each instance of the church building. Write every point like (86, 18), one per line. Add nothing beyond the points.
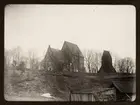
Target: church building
(69, 58)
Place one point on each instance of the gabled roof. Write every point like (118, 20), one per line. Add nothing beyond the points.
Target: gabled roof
(126, 86)
(58, 54)
(73, 48)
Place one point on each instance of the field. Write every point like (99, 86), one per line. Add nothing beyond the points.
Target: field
(29, 85)
(32, 84)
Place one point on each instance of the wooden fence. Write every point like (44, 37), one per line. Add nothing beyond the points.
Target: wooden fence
(106, 94)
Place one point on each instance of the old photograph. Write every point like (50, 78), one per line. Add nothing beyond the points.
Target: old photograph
(69, 52)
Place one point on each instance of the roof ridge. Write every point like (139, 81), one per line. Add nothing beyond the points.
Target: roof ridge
(71, 43)
(74, 47)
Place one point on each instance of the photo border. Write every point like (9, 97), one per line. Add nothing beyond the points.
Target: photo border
(71, 2)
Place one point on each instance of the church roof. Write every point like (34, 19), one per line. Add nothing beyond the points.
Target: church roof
(58, 54)
(73, 48)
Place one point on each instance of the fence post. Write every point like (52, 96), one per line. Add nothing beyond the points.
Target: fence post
(69, 95)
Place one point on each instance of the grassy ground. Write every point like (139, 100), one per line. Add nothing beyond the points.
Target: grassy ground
(28, 86)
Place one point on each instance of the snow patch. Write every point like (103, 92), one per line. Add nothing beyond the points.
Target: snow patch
(133, 98)
(48, 95)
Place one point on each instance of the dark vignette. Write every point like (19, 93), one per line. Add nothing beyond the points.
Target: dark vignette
(71, 2)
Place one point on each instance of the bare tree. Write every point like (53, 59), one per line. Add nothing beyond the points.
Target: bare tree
(96, 61)
(21, 66)
(92, 60)
(115, 61)
(88, 59)
(13, 57)
(16, 54)
(7, 58)
(14, 64)
(129, 64)
(126, 65)
(33, 60)
(25, 60)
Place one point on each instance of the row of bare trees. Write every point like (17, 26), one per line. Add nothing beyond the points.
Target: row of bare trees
(14, 59)
(125, 65)
(92, 60)
(21, 74)
(121, 65)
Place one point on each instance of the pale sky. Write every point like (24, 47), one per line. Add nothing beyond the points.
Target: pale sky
(98, 27)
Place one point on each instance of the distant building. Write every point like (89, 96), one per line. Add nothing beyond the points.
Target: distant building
(106, 67)
(69, 58)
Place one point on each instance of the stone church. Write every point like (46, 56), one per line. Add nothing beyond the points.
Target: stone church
(69, 58)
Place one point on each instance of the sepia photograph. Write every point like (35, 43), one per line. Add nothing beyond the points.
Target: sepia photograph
(69, 52)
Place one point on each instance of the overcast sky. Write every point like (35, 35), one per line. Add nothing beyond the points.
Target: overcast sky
(98, 27)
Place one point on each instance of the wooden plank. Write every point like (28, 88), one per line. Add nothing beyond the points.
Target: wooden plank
(105, 95)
